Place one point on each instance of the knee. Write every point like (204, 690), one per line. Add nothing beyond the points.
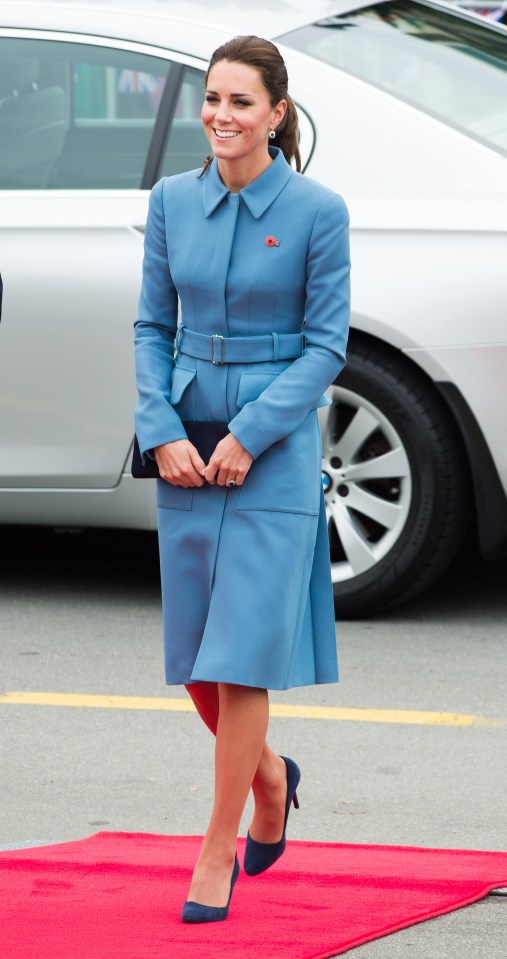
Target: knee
(233, 692)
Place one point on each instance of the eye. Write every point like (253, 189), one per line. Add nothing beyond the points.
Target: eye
(210, 98)
(243, 103)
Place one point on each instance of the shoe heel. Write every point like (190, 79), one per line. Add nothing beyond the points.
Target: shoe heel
(295, 800)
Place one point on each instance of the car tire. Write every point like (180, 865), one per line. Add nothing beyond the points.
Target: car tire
(395, 482)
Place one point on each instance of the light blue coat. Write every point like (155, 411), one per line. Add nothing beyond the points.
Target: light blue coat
(246, 585)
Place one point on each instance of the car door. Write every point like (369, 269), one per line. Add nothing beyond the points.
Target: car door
(83, 126)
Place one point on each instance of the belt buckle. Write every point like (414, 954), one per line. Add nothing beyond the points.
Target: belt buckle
(221, 361)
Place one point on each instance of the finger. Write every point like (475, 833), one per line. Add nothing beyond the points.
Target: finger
(172, 480)
(182, 477)
(196, 460)
(239, 474)
(193, 480)
(212, 470)
(223, 475)
(189, 474)
(179, 478)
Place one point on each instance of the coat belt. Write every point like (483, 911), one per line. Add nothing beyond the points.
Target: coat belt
(220, 349)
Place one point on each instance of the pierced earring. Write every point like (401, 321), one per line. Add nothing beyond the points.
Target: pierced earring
(272, 134)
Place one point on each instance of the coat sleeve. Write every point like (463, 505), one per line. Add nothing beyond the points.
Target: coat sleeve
(284, 404)
(156, 422)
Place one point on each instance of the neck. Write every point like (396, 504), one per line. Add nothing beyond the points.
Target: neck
(237, 174)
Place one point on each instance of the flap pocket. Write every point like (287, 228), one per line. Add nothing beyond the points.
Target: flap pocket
(251, 385)
(181, 378)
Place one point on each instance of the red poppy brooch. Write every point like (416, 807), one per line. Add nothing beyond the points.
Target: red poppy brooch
(271, 241)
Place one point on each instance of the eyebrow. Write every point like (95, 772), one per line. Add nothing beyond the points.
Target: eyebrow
(252, 95)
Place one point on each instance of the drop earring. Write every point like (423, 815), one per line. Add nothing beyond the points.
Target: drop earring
(272, 134)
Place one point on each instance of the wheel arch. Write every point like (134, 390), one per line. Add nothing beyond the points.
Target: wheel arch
(489, 498)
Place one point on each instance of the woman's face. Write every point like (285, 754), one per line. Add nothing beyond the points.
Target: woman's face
(237, 112)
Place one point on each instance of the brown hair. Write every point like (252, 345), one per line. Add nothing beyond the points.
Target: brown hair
(263, 56)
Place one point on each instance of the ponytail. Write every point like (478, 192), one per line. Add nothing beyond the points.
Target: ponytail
(287, 134)
(207, 163)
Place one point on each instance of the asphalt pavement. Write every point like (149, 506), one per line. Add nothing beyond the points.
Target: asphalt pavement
(408, 749)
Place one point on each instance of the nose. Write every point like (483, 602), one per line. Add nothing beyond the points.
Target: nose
(223, 114)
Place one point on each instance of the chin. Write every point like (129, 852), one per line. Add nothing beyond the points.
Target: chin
(223, 153)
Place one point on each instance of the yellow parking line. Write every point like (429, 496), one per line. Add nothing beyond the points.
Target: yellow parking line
(404, 716)
(336, 713)
(97, 702)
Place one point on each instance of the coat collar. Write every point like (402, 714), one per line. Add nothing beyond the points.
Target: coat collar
(258, 195)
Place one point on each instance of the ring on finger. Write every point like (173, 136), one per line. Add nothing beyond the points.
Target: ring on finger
(230, 482)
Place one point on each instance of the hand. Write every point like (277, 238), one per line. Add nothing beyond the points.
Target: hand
(179, 463)
(230, 459)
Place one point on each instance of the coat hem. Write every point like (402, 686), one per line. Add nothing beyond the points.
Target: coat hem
(244, 682)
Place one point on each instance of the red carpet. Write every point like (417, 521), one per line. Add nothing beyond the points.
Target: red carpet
(119, 896)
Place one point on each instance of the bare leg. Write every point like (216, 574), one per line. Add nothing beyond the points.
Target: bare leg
(269, 783)
(205, 700)
(241, 731)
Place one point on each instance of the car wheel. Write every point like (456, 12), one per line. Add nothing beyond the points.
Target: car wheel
(395, 483)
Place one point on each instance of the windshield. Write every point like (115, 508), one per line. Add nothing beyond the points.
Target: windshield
(452, 68)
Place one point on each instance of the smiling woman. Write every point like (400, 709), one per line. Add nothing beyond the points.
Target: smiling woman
(264, 108)
(238, 124)
(255, 252)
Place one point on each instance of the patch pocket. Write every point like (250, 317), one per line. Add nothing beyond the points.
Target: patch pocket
(174, 497)
(181, 379)
(287, 476)
(251, 385)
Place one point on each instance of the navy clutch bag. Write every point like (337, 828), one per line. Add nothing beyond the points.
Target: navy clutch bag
(203, 434)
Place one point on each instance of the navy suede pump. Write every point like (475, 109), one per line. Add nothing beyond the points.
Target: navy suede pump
(261, 855)
(196, 912)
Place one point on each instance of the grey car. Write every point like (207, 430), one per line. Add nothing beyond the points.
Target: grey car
(403, 110)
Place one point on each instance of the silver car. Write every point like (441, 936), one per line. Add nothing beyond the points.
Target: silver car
(403, 109)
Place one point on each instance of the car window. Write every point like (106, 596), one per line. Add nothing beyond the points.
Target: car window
(187, 144)
(450, 67)
(74, 115)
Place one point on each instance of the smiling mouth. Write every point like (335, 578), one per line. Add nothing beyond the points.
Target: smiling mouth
(226, 134)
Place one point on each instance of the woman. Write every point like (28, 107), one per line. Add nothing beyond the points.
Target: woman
(250, 247)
